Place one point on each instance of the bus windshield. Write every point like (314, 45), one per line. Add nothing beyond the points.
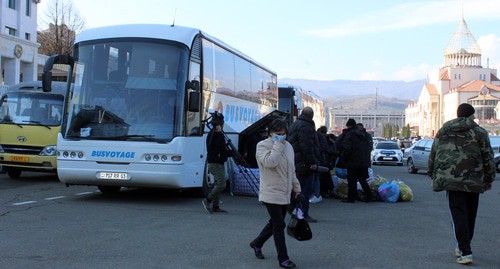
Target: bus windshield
(28, 108)
(127, 89)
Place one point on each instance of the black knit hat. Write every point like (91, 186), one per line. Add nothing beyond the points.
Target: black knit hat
(465, 110)
(350, 123)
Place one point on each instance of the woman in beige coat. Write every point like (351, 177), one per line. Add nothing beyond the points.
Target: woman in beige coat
(275, 158)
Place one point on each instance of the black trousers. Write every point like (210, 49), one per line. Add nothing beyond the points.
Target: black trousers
(463, 208)
(276, 228)
(355, 174)
(325, 183)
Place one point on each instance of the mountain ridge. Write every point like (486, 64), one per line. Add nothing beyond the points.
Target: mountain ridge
(388, 88)
(362, 94)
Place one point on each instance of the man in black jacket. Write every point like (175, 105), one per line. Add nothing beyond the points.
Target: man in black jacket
(217, 155)
(357, 148)
(302, 136)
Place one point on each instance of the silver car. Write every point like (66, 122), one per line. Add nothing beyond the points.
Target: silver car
(417, 156)
(387, 152)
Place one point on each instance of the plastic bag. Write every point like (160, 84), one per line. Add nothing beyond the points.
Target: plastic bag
(406, 194)
(389, 192)
(376, 182)
(340, 189)
(340, 171)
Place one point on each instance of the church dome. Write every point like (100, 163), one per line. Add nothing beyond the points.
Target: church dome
(462, 49)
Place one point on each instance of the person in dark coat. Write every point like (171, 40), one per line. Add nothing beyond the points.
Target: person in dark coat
(339, 143)
(340, 164)
(357, 148)
(302, 136)
(217, 154)
(330, 139)
(326, 151)
(323, 161)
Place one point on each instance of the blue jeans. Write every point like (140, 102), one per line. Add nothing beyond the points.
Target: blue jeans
(316, 185)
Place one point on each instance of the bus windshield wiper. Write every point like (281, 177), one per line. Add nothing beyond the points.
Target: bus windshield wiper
(11, 122)
(37, 123)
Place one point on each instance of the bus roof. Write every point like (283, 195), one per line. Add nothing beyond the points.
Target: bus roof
(184, 35)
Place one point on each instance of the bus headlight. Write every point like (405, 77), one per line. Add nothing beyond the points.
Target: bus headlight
(48, 151)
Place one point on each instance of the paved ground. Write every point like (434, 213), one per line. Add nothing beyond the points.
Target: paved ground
(43, 224)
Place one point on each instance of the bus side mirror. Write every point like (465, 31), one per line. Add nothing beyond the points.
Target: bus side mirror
(194, 101)
(49, 64)
(194, 95)
(47, 81)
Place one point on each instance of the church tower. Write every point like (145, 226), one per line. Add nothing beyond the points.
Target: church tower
(462, 79)
(462, 50)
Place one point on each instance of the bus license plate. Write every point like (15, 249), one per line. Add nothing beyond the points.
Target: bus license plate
(113, 175)
(19, 158)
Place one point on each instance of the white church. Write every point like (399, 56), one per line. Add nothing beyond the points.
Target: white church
(462, 79)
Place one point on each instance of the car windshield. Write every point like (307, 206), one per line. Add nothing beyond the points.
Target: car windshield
(31, 108)
(384, 145)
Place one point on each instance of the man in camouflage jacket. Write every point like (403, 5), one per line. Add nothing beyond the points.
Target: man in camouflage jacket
(461, 162)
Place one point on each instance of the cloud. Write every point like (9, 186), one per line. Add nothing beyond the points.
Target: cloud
(410, 73)
(490, 49)
(372, 76)
(409, 15)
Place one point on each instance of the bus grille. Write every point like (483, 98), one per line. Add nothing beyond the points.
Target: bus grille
(16, 149)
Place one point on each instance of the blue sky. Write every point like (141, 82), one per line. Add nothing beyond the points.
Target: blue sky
(321, 40)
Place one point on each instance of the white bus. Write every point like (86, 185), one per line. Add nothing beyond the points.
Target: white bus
(136, 114)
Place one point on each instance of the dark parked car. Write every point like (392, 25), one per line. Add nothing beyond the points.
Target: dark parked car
(417, 156)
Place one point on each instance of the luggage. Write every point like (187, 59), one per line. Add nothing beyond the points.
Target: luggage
(245, 181)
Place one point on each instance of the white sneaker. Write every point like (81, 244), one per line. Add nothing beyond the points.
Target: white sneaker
(458, 253)
(467, 259)
(315, 199)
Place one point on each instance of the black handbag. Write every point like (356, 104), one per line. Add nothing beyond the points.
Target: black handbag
(298, 227)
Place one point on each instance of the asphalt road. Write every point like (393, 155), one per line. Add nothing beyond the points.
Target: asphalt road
(44, 224)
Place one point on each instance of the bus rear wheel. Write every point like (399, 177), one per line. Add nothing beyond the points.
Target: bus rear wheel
(109, 190)
(13, 172)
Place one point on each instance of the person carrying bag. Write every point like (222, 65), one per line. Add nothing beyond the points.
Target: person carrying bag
(275, 158)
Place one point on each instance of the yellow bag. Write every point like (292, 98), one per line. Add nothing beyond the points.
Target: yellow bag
(406, 194)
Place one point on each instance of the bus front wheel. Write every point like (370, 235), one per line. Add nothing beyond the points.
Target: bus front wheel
(108, 190)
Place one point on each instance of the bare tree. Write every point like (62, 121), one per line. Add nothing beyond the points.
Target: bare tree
(62, 22)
